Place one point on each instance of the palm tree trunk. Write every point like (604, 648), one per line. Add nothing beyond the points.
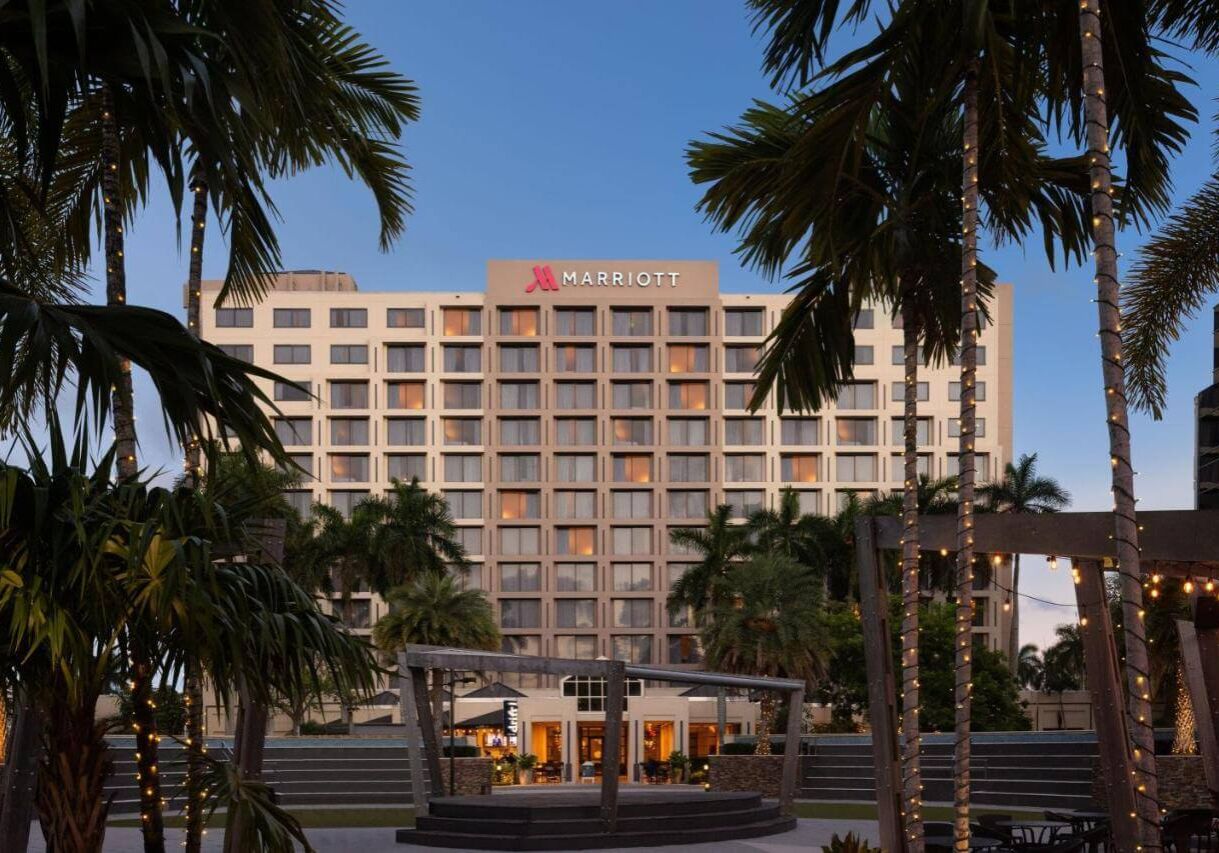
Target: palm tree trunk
(1013, 631)
(249, 741)
(965, 458)
(766, 724)
(71, 798)
(912, 782)
(1126, 532)
(146, 748)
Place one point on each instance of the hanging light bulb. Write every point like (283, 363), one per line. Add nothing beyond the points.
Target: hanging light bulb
(1188, 586)
(1053, 564)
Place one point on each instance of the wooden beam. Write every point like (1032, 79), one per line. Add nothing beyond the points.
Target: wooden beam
(615, 697)
(1204, 698)
(882, 703)
(438, 658)
(427, 730)
(414, 736)
(791, 751)
(1108, 703)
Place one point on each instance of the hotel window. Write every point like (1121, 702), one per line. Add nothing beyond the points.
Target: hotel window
(577, 541)
(981, 466)
(738, 394)
(572, 504)
(575, 577)
(463, 432)
(349, 395)
(469, 576)
(676, 571)
(632, 468)
(405, 432)
(518, 321)
(520, 613)
(517, 432)
(689, 432)
(575, 613)
(899, 354)
(631, 359)
(685, 648)
(744, 431)
(575, 467)
(626, 541)
(519, 467)
(855, 432)
(348, 468)
(809, 501)
(689, 358)
(682, 548)
(632, 612)
(519, 395)
(522, 646)
(290, 318)
(291, 354)
(688, 322)
(632, 321)
(519, 359)
(687, 503)
(742, 322)
(632, 648)
(301, 502)
(689, 468)
(463, 359)
(744, 468)
(632, 395)
(463, 468)
(575, 358)
(463, 395)
(470, 539)
(800, 431)
(406, 466)
(291, 392)
(405, 318)
(405, 358)
(404, 395)
(348, 318)
(739, 359)
(234, 318)
(515, 541)
(633, 432)
(461, 321)
(633, 505)
(294, 432)
(856, 467)
(956, 357)
(632, 577)
(954, 427)
(897, 432)
(922, 392)
(897, 467)
(800, 467)
(464, 505)
(865, 354)
(576, 648)
(520, 577)
(244, 352)
(348, 354)
(857, 395)
(954, 391)
(575, 395)
(865, 319)
(575, 321)
(302, 461)
(348, 431)
(515, 504)
(744, 503)
(575, 432)
(355, 613)
(346, 500)
(689, 396)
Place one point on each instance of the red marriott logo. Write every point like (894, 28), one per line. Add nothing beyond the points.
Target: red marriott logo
(543, 278)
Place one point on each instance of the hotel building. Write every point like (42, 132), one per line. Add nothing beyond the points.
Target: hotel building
(575, 413)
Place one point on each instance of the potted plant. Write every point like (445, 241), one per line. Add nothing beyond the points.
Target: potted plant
(525, 763)
(678, 762)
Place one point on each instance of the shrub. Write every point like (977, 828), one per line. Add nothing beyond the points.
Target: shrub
(527, 761)
(737, 747)
(851, 844)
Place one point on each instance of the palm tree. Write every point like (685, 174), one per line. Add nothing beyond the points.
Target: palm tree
(770, 621)
(435, 610)
(1022, 490)
(720, 544)
(1063, 665)
(1030, 668)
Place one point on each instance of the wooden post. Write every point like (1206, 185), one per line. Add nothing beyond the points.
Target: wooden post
(882, 703)
(1203, 700)
(721, 718)
(427, 730)
(615, 695)
(791, 751)
(414, 736)
(1108, 705)
(20, 773)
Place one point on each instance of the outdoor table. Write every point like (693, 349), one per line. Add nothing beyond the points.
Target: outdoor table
(1036, 831)
(1083, 819)
(947, 841)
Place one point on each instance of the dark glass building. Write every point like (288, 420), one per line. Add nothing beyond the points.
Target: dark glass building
(1206, 407)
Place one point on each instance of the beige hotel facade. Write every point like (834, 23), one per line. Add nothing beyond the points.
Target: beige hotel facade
(574, 413)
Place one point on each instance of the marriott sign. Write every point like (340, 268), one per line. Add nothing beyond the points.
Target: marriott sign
(544, 279)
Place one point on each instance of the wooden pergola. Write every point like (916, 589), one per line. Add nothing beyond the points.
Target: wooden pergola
(1175, 544)
(414, 662)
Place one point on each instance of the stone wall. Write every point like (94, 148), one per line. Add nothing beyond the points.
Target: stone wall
(761, 773)
(1182, 782)
(473, 775)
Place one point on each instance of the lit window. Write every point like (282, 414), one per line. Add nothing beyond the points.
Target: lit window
(461, 321)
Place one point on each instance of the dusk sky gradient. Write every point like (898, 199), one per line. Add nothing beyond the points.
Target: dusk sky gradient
(557, 129)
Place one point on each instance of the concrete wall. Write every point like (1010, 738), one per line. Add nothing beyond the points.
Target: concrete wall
(1072, 710)
(761, 773)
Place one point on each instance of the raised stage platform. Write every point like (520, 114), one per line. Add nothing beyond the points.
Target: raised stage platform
(569, 819)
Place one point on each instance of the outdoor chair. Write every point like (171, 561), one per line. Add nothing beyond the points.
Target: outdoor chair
(1182, 829)
(990, 823)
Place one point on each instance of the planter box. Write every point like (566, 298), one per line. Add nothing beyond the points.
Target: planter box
(473, 775)
(1182, 782)
(761, 773)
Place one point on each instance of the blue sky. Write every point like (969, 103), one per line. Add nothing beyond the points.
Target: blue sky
(557, 129)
